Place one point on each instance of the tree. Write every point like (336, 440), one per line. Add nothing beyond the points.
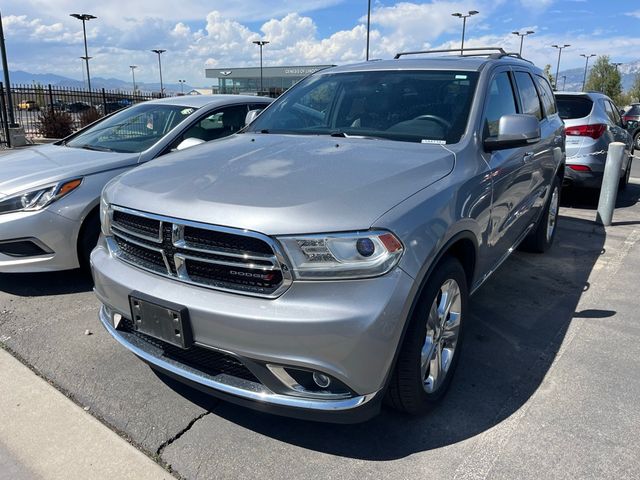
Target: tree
(634, 92)
(547, 72)
(604, 78)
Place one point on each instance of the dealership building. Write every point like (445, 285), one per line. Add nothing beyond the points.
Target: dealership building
(275, 80)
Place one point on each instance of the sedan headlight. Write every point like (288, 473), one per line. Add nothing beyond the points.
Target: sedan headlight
(38, 198)
(342, 256)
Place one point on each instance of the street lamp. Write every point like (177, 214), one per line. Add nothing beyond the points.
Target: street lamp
(464, 24)
(617, 64)
(368, 27)
(181, 82)
(85, 17)
(133, 74)
(522, 35)
(160, 52)
(560, 48)
(564, 81)
(5, 70)
(261, 43)
(586, 65)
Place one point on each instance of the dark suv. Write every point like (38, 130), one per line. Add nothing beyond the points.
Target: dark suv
(323, 258)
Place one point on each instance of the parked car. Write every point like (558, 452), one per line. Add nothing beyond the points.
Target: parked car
(592, 122)
(49, 194)
(78, 107)
(113, 106)
(632, 117)
(28, 105)
(323, 258)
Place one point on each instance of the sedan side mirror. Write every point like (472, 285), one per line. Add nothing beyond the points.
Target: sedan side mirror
(189, 142)
(514, 130)
(251, 116)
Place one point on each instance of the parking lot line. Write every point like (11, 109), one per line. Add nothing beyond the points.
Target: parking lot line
(45, 435)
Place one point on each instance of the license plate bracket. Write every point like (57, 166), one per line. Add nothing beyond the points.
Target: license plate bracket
(161, 320)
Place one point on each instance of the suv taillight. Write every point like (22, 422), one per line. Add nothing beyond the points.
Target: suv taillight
(594, 131)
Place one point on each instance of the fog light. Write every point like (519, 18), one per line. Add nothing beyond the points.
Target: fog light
(321, 380)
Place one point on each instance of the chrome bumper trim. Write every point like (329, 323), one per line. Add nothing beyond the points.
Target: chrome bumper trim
(266, 397)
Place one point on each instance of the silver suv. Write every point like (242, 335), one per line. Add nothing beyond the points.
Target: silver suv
(322, 259)
(592, 122)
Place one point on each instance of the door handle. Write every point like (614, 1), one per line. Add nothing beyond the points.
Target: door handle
(527, 157)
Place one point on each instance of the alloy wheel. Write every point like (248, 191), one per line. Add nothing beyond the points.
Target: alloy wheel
(552, 218)
(443, 328)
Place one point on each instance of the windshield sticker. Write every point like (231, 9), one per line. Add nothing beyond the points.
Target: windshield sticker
(434, 142)
(187, 111)
(461, 77)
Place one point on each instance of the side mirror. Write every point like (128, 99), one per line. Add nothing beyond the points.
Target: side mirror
(515, 130)
(251, 116)
(189, 142)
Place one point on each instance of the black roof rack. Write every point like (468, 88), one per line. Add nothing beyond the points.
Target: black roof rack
(498, 53)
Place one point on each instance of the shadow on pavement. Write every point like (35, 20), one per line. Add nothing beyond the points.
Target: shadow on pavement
(518, 322)
(45, 284)
(587, 198)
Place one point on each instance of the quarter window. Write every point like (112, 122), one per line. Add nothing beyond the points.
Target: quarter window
(500, 101)
(546, 94)
(528, 95)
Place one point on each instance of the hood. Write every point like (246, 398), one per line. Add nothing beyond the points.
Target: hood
(35, 166)
(283, 184)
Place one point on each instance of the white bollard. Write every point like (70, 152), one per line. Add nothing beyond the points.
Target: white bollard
(610, 182)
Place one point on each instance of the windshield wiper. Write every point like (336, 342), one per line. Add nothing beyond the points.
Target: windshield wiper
(95, 148)
(347, 135)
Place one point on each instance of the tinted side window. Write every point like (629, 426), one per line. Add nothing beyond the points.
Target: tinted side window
(221, 123)
(609, 109)
(548, 100)
(528, 95)
(500, 101)
(616, 114)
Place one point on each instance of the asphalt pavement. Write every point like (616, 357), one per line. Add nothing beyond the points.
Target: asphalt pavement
(547, 386)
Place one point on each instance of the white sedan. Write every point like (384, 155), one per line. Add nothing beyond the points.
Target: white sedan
(49, 194)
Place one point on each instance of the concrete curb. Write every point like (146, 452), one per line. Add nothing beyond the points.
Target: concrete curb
(45, 435)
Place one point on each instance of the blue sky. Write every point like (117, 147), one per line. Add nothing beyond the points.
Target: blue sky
(42, 38)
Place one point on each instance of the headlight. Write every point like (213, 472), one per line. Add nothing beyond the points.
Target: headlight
(38, 198)
(105, 216)
(342, 255)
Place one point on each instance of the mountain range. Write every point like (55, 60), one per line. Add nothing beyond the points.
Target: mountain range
(19, 77)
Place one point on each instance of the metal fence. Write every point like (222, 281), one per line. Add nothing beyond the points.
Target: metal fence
(34, 104)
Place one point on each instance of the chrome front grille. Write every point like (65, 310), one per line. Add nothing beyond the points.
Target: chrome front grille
(221, 258)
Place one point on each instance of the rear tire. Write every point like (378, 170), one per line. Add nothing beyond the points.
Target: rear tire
(88, 238)
(431, 347)
(541, 237)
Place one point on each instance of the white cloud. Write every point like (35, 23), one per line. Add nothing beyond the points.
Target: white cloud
(635, 14)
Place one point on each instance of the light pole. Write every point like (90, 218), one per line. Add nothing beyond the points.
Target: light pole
(617, 65)
(586, 65)
(160, 52)
(464, 24)
(181, 82)
(368, 27)
(261, 43)
(560, 48)
(133, 74)
(564, 81)
(5, 69)
(522, 35)
(85, 17)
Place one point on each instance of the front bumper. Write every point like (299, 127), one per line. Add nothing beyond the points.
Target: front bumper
(349, 330)
(56, 235)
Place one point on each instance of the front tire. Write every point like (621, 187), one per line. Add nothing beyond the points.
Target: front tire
(88, 239)
(431, 347)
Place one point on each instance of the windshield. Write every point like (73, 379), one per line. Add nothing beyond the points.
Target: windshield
(132, 130)
(409, 106)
